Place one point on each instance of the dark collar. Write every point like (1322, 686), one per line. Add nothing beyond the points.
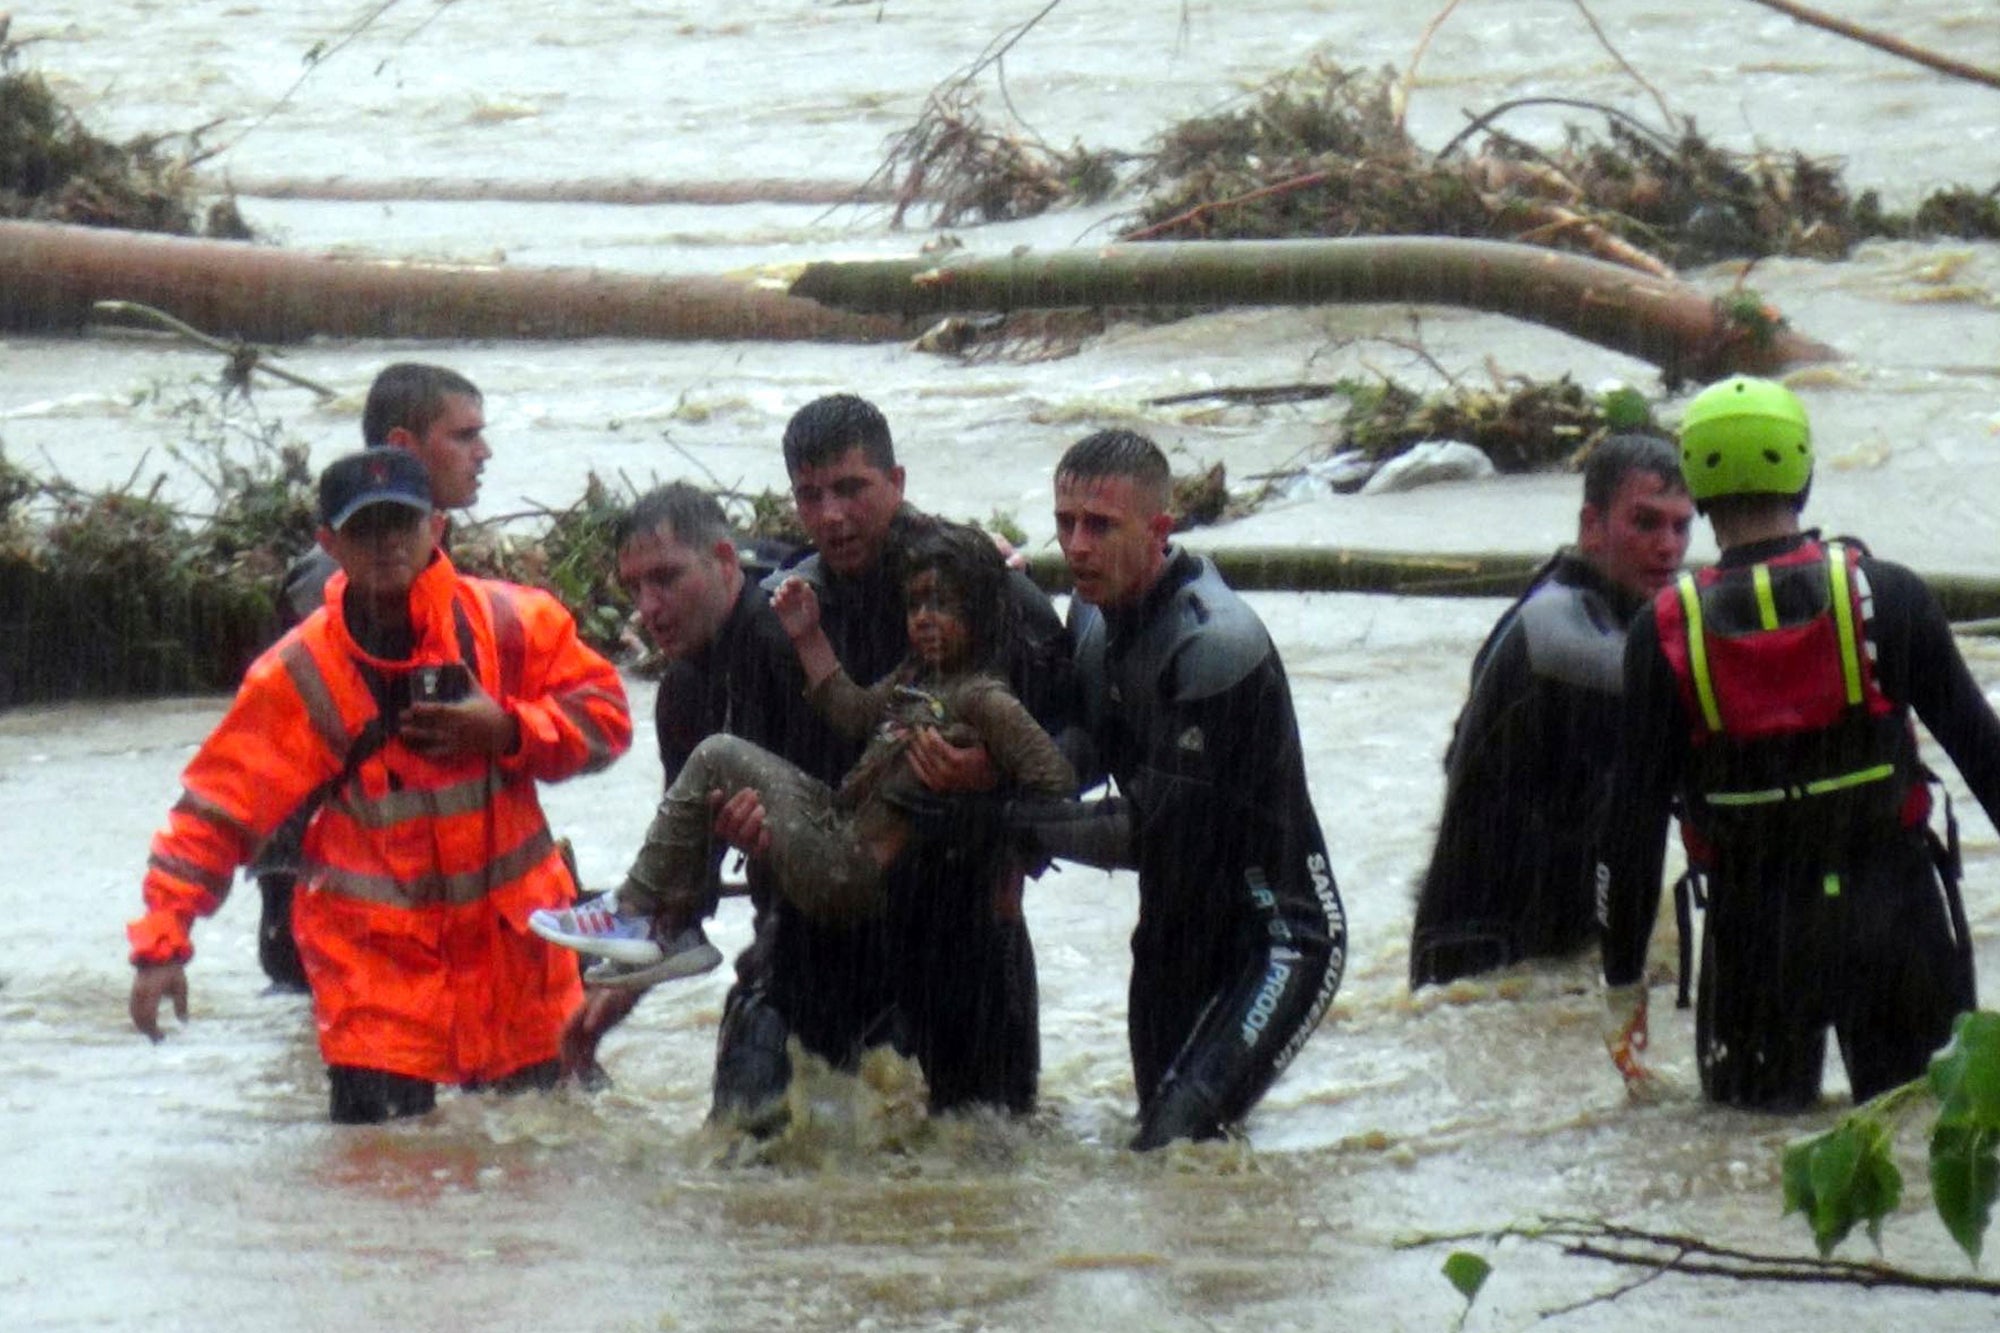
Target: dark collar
(1751, 553)
(1182, 567)
(1570, 569)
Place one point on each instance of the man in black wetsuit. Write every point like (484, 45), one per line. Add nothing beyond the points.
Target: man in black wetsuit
(438, 415)
(1241, 937)
(1529, 766)
(1773, 693)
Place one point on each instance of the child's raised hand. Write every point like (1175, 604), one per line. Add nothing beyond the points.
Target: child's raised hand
(797, 606)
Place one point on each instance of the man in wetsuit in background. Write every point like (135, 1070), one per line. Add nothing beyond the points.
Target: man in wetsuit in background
(438, 415)
(1241, 937)
(1773, 693)
(1529, 766)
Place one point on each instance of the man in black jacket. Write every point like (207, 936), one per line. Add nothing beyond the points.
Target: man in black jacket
(1773, 694)
(1529, 765)
(1241, 936)
(948, 973)
(729, 668)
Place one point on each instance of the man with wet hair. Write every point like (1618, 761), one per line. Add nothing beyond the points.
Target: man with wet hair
(1529, 765)
(947, 974)
(438, 415)
(1241, 936)
(414, 714)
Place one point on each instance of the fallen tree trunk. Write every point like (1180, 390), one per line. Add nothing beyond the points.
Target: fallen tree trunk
(51, 275)
(1343, 569)
(1968, 598)
(1883, 41)
(1683, 331)
(91, 634)
(426, 189)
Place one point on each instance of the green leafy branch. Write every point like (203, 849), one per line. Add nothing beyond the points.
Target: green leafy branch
(1846, 1176)
(1662, 1253)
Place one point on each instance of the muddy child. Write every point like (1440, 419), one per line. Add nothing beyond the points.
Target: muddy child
(829, 848)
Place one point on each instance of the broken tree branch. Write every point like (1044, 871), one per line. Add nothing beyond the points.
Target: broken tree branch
(1882, 41)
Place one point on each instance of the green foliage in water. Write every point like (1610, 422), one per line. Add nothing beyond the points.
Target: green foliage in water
(1845, 1177)
(1523, 425)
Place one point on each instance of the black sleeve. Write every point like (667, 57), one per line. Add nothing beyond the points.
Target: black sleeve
(1653, 737)
(680, 716)
(1042, 663)
(1920, 665)
(1500, 680)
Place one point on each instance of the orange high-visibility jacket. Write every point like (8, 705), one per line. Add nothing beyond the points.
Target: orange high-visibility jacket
(418, 875)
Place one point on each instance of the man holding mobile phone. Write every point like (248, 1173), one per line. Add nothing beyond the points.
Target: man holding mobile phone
(438, 415)
(413, 714)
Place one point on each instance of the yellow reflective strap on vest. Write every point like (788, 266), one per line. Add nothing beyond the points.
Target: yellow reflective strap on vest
(1843, 617)
(1817, 787)
(1860, 778)
(1767, 606)
(1768, 796)
(1704, 687)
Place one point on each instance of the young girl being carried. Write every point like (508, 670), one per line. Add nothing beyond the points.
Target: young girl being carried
(829, 848)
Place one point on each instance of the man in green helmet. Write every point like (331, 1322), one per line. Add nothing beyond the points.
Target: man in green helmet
(1772, 694)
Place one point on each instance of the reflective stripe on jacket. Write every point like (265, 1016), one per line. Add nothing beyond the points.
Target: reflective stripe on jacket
(418, 875)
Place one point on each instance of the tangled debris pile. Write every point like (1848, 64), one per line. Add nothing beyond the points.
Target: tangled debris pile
(1522, 425)
(53, 169)
(1320, 151)
(964, 170)
(1517, 425)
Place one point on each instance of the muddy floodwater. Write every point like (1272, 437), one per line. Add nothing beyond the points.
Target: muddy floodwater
(196, 1185)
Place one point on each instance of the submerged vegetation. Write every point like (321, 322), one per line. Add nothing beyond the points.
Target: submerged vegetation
(121, 593)
(54, 169)
(1521, 425)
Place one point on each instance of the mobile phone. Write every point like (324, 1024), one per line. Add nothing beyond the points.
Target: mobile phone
(445, 683)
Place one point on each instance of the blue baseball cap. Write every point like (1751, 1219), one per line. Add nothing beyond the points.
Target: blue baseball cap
(371, 477)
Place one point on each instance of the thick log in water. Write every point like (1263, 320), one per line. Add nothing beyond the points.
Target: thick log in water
(71, 635)
(1344, 569)
(51, 275)
(1967, 599)
(1683, 331)
(426, 189)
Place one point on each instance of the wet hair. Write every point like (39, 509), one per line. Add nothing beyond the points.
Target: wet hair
(411, 395)
(690, 515)
(1618, 456)
(824, 429)
(1120, 453)
(970, 567)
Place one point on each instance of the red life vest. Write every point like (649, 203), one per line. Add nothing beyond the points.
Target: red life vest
(1794, 748)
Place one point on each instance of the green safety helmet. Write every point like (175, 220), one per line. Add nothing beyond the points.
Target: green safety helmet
(1745, 436)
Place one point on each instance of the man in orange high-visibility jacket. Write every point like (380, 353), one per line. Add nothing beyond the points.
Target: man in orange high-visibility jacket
(427, 705)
